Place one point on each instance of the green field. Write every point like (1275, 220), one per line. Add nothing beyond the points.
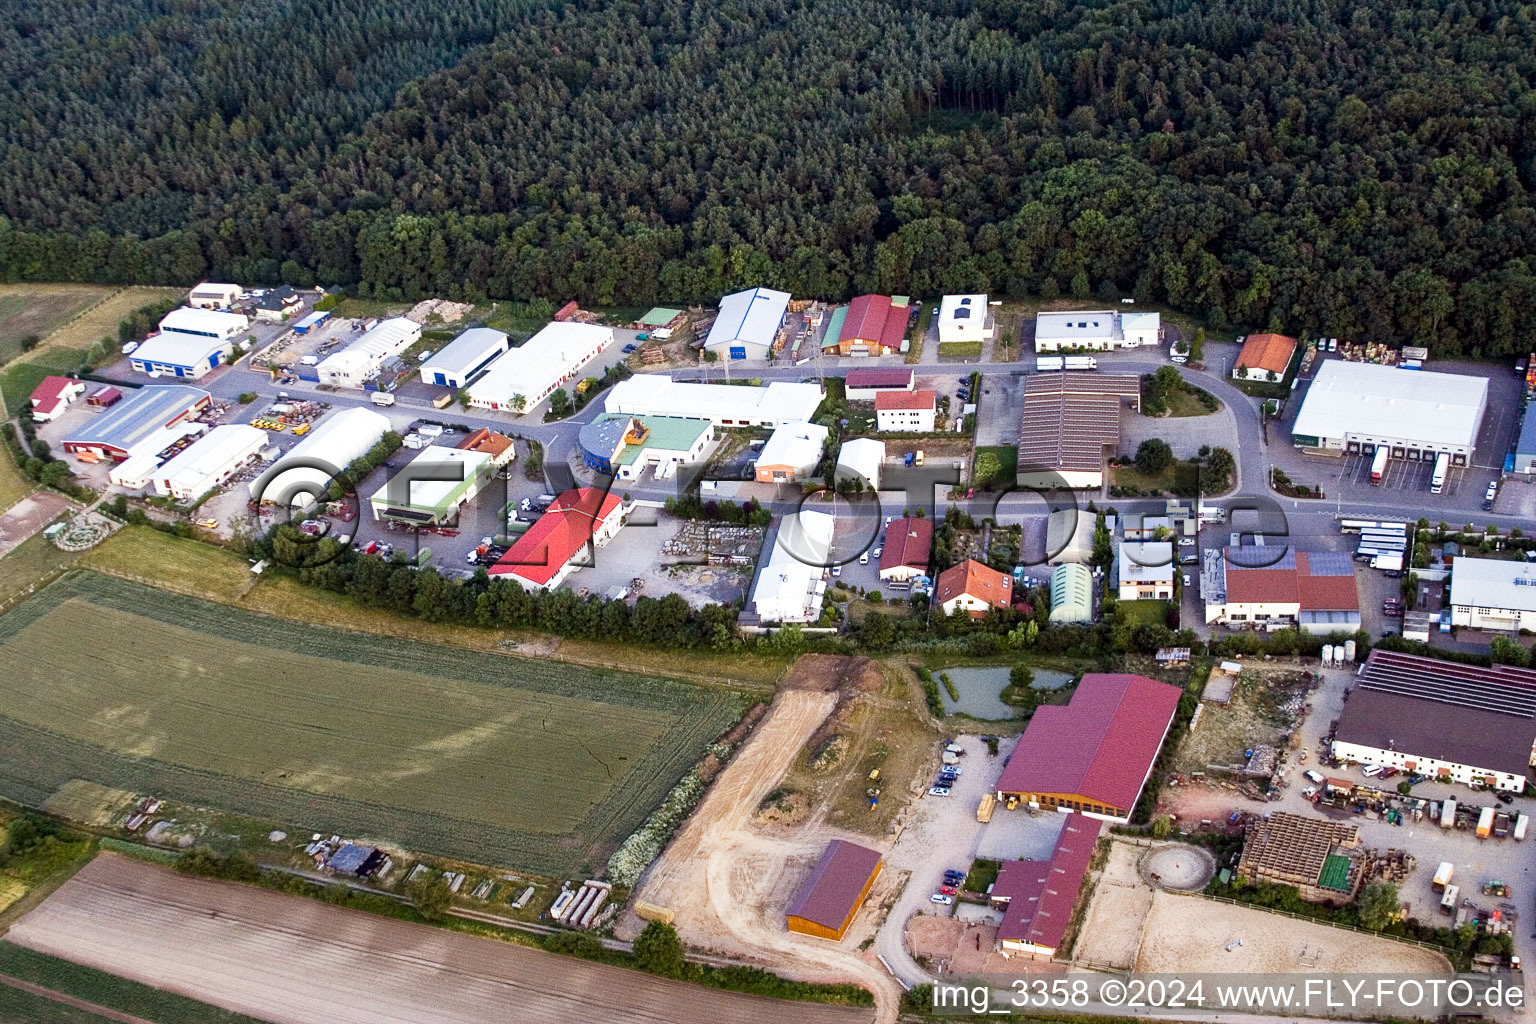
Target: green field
(482, 757)
(98, 987)
(959, 349)
(41, 309)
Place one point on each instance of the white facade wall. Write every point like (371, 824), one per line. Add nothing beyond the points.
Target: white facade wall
(665, 461)
(209, 461)
(916, 421)
(210, 295)
(535, 369)
(1463, 773)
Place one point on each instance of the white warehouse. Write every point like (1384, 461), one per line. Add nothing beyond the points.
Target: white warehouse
(190, 343)
(539, 365)
(1358, 407)
(748, 323)
(1488, 593)
(307, 469)
(214, 295)
(456, 364)
(790, 587)
(209, 461)
(361, 361)
(726, 405)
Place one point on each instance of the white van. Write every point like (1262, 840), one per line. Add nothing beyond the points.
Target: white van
(1313, 776)
(1370, 771)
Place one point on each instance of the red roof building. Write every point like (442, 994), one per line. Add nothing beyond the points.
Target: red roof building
(832, 895)
(875, 326)
(1038, 896)
(1314, 590)
(864, 385)
(1094, 753)
(53, 396)
(1264, 355)
(973, 587)
(905, 410)
(905, 552)
(544, 556)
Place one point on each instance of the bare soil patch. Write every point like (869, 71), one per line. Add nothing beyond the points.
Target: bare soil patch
(29, 515)
(292, 960)
(1187, 933)
(1111, 931)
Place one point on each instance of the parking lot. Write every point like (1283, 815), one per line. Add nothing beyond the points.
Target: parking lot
(1000, 409)
(1476, 860)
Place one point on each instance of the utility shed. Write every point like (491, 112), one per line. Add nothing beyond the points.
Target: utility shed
(831, 896)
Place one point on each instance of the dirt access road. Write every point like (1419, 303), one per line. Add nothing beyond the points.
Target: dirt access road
(728, 885)
(292, 960)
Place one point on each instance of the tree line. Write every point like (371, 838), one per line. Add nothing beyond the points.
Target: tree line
(1363, 172)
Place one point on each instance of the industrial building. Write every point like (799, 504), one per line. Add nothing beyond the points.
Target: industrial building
(790, 586)
(909, 412)
(51, 397)
(209, 461)
(876, 325)
(1069, 419)
(1071, 593)
(1321, 859)
(538, 366)
(1496, 594)
(972, 587)
(1271, 587)
(305, 473)
(1524, 459)
(627, 446)
(963, 318)
(1097, 330)
(1093, 754)
(432, 488)
(1146, 571)
(212, 295)
(457, 363)
(904, 554)
(142, 422)
(362, 360)
(190, 343)
(791, 453)
(1037, 897)
(860, 459)
(865, 385)
(1264, 357)
(1358, 407)
(578, 523)
(725, 405)
(1441, 719)
(277, 304)
(830, 897)
(748, 324)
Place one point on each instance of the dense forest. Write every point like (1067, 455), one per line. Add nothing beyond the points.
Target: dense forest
(1363, 170)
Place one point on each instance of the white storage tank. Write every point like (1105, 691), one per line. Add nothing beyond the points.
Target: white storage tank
(1349, 652)
(1327, 655)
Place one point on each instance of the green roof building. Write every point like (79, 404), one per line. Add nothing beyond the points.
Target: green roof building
(627, 446)
(1071, 593)
(432, 487)
(660, 316)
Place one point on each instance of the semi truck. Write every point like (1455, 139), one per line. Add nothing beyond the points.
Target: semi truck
(1437, 479)
(1379, 464)
(1045, 364)
(1485, 823)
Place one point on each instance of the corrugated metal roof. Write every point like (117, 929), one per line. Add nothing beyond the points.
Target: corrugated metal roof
(1100, 745)
(1416, 406)
(751, 316)
(1070, 418)
(1042, 894)
(467, 351)
(139, 415)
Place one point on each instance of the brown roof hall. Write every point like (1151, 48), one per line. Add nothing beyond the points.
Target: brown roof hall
(833, 893)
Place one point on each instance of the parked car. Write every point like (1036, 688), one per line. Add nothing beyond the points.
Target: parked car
(1493, 489)
(948, 890)
(1186, 579)
(864, 558)
(1186, 542)
(938, 791)
(954, 877)
(630, 348)
(939, 897)
(876, 552)
(1504, 797)
(952, 769)
(130, 347)
(837, 570)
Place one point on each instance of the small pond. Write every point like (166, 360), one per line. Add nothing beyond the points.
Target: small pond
(980, 689)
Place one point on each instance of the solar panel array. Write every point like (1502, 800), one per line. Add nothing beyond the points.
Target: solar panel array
(1330, 563)
(1449, 683)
